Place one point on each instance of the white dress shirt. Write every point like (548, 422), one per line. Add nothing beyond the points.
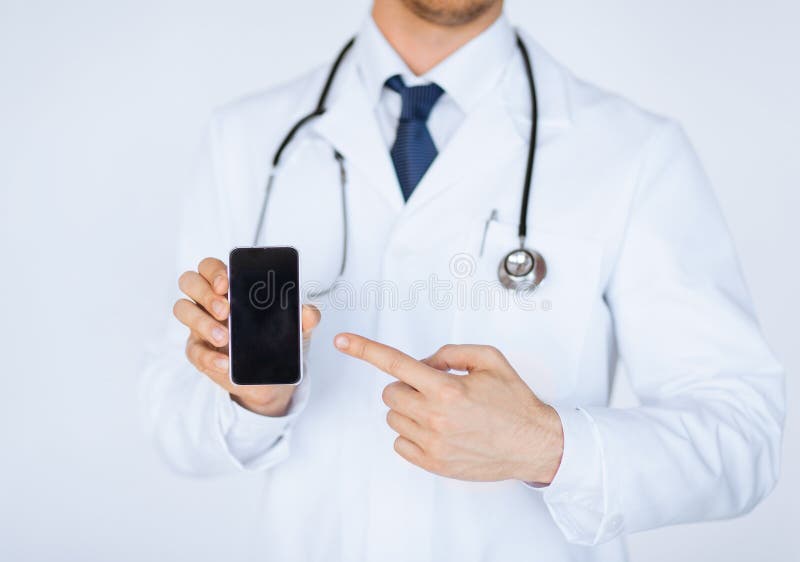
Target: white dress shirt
(465, 76)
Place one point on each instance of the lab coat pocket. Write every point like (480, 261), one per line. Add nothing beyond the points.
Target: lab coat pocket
(540, 332)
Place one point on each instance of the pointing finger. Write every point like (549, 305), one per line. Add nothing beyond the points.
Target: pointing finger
(390, 361)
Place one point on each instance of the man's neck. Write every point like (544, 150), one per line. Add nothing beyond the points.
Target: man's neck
(423, 44)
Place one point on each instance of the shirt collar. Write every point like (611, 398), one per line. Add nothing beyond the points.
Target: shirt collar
(465, 76)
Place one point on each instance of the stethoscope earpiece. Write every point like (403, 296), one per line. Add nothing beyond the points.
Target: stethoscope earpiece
(522, 269)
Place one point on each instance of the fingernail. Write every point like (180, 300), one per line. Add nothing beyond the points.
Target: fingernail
(218, 280)
(218, 307)
(218, 334)
(221, 363)
(342, 342)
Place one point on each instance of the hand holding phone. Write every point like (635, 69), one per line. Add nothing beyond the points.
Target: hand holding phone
(206, 316)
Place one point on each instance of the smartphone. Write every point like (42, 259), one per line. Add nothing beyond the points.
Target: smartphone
(265, 343)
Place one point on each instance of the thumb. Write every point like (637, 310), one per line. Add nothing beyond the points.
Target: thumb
(311, 317)
(465, 357)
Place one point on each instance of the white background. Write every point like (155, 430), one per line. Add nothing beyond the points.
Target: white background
(102, 104)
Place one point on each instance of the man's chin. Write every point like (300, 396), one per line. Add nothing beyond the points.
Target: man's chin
(450, 12)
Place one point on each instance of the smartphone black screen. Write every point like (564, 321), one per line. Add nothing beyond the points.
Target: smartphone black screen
(264, 295)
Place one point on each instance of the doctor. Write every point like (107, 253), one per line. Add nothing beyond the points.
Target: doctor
(382, 453)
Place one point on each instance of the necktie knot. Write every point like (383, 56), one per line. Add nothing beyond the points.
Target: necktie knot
(418, 101)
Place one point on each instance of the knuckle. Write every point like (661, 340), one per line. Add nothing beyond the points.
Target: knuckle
(361, 349)
(446, 348)
(207, 300)
(388, 394)
(180, 310)
(211, 268)
(207, 360)
(193, 353)
(436, 449)
(493, 352)
(434, 464)
(184, 280)
(396, 363)
(451, 392)
(391, 419)
(438, 423)
(207, 325)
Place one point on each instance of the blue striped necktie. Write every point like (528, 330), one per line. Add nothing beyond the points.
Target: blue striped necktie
(413, 150)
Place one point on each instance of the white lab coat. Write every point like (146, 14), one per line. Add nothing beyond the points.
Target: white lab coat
(641, 271)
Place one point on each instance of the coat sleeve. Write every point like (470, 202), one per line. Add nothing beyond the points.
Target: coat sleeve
(705, 441)
(196, 426)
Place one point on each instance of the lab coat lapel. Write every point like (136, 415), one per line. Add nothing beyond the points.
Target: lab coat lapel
(351, 127)
(498, 128)
(483, 141)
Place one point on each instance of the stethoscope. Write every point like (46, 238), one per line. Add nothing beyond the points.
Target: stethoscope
(520, 269)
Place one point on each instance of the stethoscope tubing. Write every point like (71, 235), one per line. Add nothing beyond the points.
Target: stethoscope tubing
(320, 109)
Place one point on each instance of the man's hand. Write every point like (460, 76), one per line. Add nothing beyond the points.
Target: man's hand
(206, 315)
(485, 425)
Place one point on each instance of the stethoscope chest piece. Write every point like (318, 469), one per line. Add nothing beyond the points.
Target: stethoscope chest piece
(522, 269)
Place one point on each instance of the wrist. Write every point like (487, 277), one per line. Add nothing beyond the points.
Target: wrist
(542, 447)
(272, 406)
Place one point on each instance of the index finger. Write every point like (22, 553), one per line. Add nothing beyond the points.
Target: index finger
(216, 273)
(390, 360)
